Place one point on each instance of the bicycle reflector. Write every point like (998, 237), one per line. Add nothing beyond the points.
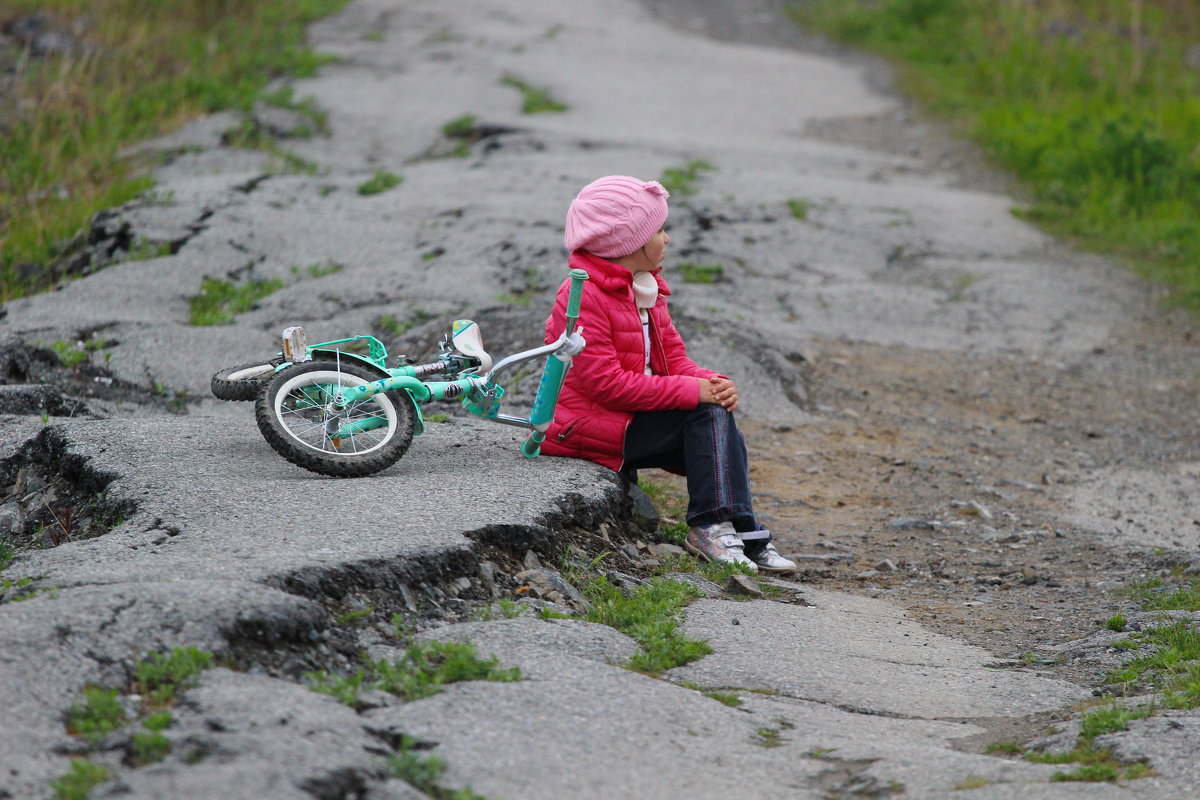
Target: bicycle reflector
(295, 348)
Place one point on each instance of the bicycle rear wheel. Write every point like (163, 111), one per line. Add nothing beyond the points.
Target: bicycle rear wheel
(296, 415)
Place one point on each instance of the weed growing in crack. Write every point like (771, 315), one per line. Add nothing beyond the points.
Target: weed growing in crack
(464, 132)
(220, 301)
(1111, 719)
(421, 672)
(398, 327)
(18, 591)
(535, 100)
(78, 783)
(72, 354)
(307, 106)
(161, 677)
(97, 715)
(725, 698)
(1096, 764)
(799, 208)
(354, 615)
(715, 571)
(1167, 593)
(1173, 666)
(650, 616)
(768, 737)
(318, 270)
(701, 273)
(151, 746)
(682, 180)
(423, 773)
(380, 182)
(7, 554)
(1115, 623)
(672, 509)
(971, 782)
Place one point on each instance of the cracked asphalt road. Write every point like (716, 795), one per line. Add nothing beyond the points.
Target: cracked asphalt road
(906, 349)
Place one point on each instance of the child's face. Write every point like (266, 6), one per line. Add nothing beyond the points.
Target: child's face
(656, 249)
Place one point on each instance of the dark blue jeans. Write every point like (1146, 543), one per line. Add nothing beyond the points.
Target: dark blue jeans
(706, 446)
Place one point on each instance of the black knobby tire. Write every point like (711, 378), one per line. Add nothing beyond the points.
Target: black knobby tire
(295, 418)
(242, 382)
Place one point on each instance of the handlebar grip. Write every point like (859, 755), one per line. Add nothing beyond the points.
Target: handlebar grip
(578, 276)
(532, 446)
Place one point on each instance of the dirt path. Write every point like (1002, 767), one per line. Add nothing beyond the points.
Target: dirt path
(951, 483)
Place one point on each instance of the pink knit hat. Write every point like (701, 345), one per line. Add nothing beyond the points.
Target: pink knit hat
(614, 216)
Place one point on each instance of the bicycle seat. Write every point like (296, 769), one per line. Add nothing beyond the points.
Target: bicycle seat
(468, 341)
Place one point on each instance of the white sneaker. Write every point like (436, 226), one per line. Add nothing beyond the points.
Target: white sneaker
(768, 560)
(720, 543)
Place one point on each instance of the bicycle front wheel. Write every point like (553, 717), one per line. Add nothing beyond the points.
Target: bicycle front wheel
(241, 382)
(297, 416)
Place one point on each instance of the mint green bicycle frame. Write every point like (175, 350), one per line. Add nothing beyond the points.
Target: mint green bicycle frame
(480, 393)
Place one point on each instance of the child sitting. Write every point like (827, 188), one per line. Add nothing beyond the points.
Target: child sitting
(633, 399)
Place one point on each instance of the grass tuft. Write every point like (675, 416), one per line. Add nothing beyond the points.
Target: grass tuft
(99, 714)
(220, 301)
(535, 100)
(161, 676)
(682, 180)
(701, 273)
(650, 616)
(78, 783)
(421, 672)
(381, 181)
(424, 773)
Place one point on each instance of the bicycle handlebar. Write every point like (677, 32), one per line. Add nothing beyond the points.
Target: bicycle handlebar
(554, 375)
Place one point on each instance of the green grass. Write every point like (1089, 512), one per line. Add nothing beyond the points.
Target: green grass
(155, 65)
(161, 676)
(399, 327)
(700, 273)
(318, 270)
(650, 616)
(1090, 102)
(672, 509)
(78, 783)
(381, 181)
(724, 698)
(535, 100)
(220, 301)
(318, 120)
(798, 207)
(461, 127)
(1167, 593)
(683, 180)
(97, 715)
(420, 672)
(7, 554)
(424, 773)
(1116, 622)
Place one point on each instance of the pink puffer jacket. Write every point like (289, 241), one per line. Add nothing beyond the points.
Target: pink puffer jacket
(607, 382)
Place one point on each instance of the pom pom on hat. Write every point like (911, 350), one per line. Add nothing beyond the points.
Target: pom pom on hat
(614, 216)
